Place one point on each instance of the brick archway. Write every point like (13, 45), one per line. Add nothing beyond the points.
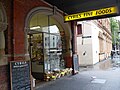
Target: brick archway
(47, 11)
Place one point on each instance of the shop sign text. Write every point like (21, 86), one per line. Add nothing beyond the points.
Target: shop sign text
(94, 13)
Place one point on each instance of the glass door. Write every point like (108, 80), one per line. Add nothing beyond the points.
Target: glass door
(52, 51)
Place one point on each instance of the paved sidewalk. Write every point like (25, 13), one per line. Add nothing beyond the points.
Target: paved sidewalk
(95, 78)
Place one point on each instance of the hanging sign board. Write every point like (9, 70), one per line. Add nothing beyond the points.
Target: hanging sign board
(93, 13)
(20, 75)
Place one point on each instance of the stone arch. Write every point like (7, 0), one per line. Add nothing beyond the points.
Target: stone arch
(46, 11)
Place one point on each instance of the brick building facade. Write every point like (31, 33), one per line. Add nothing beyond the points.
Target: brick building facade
(105, 38)
(15, 19)
(14, 23)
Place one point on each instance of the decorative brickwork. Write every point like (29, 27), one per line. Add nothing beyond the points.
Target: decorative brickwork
(19, 58)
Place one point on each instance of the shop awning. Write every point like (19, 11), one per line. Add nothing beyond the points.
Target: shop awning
(78, 6)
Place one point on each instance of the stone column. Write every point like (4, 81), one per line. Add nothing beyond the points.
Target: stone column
(3, 59)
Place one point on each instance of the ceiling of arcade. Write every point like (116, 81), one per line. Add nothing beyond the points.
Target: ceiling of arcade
(77, 6)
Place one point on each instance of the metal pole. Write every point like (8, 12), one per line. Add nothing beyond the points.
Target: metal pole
(49, 40)
(115, 40)
(115, 43)
(73, 45)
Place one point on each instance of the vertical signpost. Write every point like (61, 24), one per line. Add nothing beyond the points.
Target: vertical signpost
(20, 75)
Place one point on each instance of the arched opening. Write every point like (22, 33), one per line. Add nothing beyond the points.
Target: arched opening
(47, 41)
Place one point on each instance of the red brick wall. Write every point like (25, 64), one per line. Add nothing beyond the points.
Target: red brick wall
(4, 69)
(8, 32)
(4, 78)
(68, 61)
(21, 9)
(16, 25)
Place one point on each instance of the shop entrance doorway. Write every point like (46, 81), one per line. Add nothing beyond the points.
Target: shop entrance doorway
(45, 52)
(46, 46)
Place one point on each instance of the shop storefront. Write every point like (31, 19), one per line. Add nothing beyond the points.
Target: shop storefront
(34, 30)
(48, 47)
(48, 44)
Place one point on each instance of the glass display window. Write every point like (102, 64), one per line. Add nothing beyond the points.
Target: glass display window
(45, 45)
